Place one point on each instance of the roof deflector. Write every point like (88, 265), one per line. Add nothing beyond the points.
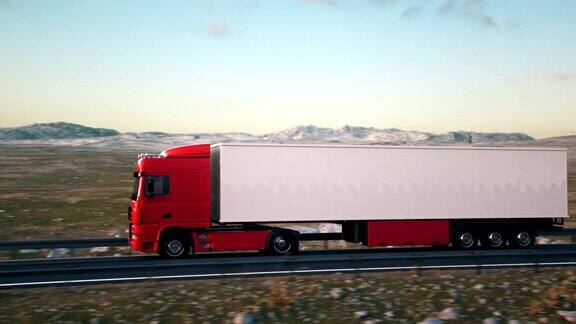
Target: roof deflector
(187, 151)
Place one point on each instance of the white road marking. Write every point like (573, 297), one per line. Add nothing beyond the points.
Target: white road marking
(283, 272)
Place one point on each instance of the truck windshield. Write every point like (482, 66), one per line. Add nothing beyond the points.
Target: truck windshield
(136, 186)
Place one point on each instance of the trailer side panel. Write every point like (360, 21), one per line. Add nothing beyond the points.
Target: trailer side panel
(305, 183)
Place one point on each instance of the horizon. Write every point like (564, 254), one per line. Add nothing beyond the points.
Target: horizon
(284, 129)
(257, 67)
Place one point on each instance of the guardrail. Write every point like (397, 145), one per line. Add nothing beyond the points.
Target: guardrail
(71, 243)
(113, 242)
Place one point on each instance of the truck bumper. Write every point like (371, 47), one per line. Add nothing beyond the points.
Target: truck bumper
(139, 241)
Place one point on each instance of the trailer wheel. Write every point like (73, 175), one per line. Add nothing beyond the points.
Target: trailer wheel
(522, 237)
(493, 238)
(175, 245)
(282, 243)
(464, 238)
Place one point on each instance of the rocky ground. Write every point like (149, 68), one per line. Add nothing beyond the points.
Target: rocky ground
(546, 295)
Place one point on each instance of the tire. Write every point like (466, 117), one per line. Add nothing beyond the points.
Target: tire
(522, 238)
(464, 238)
(175, 245)
(493, 238)
(282, 243)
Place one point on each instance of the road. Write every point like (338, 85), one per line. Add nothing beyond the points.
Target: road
(74, 271)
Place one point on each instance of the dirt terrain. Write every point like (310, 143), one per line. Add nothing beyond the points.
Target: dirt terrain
(460, 296)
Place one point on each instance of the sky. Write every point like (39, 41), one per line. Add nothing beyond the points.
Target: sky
(262, 66)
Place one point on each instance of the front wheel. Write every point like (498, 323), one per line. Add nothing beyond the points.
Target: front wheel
(282, 243)
(176, 245)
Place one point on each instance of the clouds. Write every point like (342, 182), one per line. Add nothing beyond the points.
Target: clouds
(319, 2)
(413, 12)
(552, 77)
(559, 76)
(219, 28)
(470, 10)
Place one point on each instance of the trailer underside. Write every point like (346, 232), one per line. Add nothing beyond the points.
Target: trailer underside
(462, 234)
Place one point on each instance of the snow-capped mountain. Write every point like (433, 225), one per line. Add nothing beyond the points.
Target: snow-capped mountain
(60, 130)
(347, 134)
(78, 135)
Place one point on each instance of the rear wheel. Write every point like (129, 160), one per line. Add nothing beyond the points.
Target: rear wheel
(522, 237)
(175, 245)
(464, 238)
(282, 243)
(493, 238)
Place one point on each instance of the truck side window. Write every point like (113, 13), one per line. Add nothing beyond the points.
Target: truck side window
(157, 185)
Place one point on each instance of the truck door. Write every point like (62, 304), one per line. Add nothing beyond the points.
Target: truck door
(157, 199)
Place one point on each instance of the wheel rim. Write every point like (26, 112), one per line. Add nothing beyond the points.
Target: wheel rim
(495, 239)
(466, 239)
(523, 239)
(175, 248)
(281, 245)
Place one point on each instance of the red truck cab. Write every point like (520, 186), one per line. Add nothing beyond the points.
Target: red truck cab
(170, 207)
(171, 190)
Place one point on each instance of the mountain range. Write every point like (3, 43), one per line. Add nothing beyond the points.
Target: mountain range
(74, 135)
(62, 133)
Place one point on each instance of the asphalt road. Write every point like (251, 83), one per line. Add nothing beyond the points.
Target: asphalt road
(74, 271)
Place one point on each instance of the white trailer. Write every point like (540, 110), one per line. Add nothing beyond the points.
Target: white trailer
(334, 183)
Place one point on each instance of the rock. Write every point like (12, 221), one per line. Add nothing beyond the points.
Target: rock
(58, 219)
(478, 287)
(361, 314)
(506, 286)
(448, 314)
(490, 320)
(482, 301)
(389, 314)
(514, 322)
(569, 316)
(336, 293)
(99, 249)
(371, 321)
(431, 320)
(243, 318)
(95, 320)
(58, 253)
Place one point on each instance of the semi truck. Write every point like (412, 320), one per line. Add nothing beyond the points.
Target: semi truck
(240, 197)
